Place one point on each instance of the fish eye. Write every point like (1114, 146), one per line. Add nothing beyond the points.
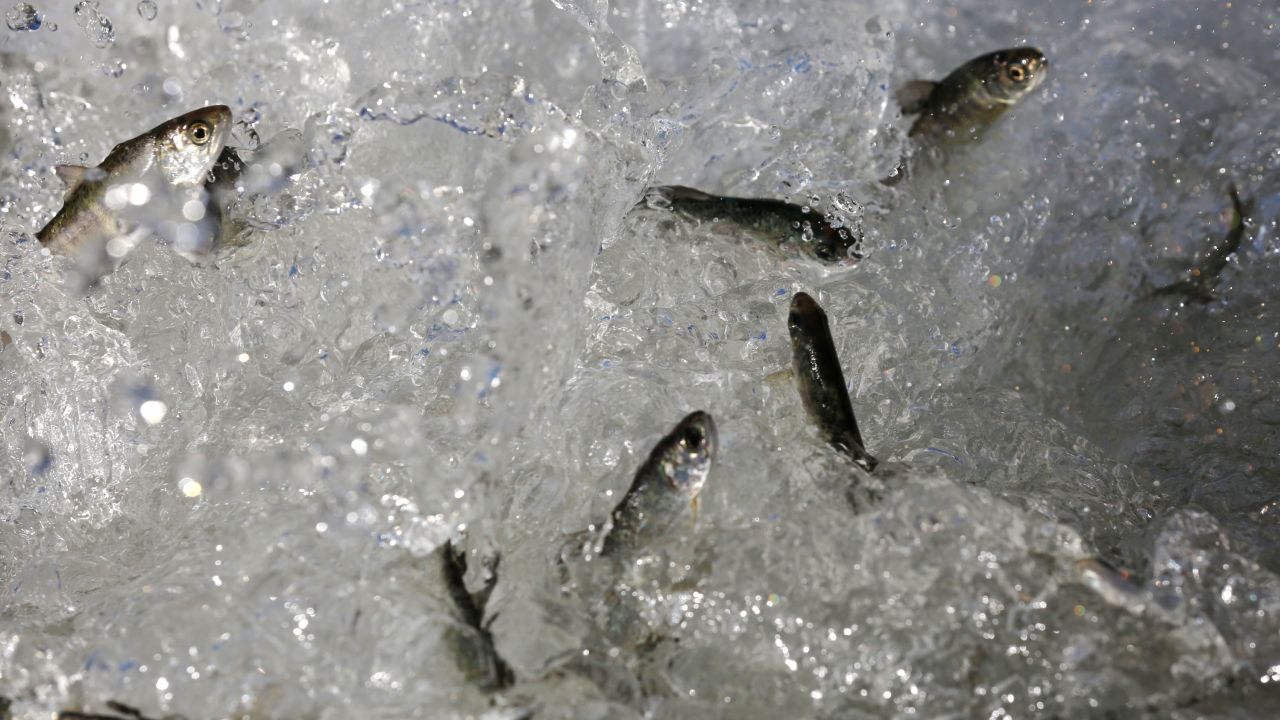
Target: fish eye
(200, 133)
(692, 437)
(1018, 73)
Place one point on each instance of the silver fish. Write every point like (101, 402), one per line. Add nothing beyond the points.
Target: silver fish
(966, 102)
(821, 382)
(767, 220)
(102, 209)
(668, 481)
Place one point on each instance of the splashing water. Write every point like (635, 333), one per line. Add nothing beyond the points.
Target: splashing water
(229, 481)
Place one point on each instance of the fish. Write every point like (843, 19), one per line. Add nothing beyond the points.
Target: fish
(962, 105)
(474, 648)
(786, 224)
(100, 212)
(1199, 282)
(120, 712)
(668, 481)
(821, 382)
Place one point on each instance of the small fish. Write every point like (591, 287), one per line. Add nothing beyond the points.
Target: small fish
(668, 481)
(1199, 282)
(974, 95)
(774, 221)
(123, 712)
(822, 388)
(96, 214)
(474, 648)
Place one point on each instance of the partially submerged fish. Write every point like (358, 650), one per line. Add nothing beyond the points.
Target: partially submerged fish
(473, 647)
(101, 211)
(821, 382)
(786, 224)
(1199, 282)
(120, 712)
(974, 95)
(668, 482)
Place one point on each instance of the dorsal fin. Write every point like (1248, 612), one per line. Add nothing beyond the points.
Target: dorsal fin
(914, 95)
(71, 175)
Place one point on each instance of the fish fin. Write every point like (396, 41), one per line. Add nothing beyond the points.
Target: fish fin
(680, 192)
(693, 505)
(71, 175)
(913, 95)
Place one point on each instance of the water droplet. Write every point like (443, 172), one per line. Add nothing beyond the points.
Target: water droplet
(114, 68)
(23, 18)
(97, 27)
(147, 10)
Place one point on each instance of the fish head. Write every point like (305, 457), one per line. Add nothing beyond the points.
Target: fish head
(1009, 75)
(806, 316)
(687, 454)
(187, 146)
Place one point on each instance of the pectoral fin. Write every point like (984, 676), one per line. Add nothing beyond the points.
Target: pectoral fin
(71, 175)
(914, 95)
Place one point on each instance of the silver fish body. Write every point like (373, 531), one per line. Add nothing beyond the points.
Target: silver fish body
(668, 482)
(973, 96)
(821, 382)
(105, 203)
(774, 221)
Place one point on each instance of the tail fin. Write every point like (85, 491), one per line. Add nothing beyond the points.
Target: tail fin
(662, 197)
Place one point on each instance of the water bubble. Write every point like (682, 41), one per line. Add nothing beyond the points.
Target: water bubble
(114, 68)
(23, 18)
(147, 10)
(97, 27)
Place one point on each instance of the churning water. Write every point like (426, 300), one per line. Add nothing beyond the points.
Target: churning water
(226, 484)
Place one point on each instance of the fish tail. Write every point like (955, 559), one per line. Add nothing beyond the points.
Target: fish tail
(664, 197)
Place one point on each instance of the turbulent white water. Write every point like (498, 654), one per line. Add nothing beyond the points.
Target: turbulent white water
(224, 482)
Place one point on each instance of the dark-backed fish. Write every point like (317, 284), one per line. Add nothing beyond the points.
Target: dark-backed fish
(821, 382)
(668, 482)
(966, 102)
(785, 224)
(178, 153)
(1199, 282)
